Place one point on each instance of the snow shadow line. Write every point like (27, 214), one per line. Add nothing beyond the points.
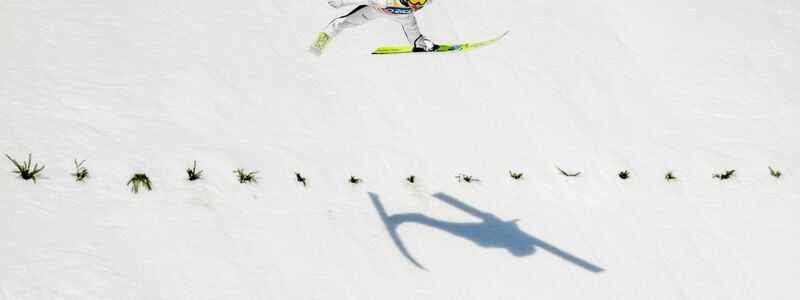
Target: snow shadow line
(491, 232)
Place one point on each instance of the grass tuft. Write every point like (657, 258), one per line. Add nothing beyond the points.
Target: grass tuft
(775, 173)
(245, 176)
(670, 176)
(411, 178)
(515, 175)
(624, 174)
(81, 173)
(24, 169)
(568, 174)
(193, 174)
(300, 178)
(725, 175)
(355, 180)
(466, 178)
(140, 179)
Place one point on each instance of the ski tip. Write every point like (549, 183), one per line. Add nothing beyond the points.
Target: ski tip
(320, 43)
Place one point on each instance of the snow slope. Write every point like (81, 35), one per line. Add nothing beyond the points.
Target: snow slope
(696, 87)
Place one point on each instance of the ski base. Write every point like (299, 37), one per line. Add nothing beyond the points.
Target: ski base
(442, 48)
(320, 44)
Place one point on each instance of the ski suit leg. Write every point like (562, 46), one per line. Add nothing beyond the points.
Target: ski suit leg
(360, 15)
(410, 27)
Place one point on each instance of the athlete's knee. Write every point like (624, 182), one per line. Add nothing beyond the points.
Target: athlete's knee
(406, 20)
(336, 26)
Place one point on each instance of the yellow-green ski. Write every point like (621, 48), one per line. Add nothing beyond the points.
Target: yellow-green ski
(442, 48)
(319, 45)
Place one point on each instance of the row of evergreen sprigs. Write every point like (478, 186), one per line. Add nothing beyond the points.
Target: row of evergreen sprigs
(30, 172)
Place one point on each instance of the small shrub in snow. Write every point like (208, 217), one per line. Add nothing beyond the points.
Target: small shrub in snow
(568, 174)
(300, 178)
(625, 174)
(24, 169)
(245, 177)
(775, 173)
(140, 179)
(81, 173)
(724, 176)
(411, 178)
(193, 173)
(514, 175)
(466, 178)
(355, 180)
(670, 176)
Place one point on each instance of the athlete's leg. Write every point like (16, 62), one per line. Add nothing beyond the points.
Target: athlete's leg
(360, 15)
(410, 27)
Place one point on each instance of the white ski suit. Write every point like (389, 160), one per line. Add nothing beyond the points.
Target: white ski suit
(399, 11)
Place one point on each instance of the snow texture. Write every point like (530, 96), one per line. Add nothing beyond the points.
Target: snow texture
(695, 87)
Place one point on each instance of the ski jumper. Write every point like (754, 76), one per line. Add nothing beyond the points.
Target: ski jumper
(396, 10)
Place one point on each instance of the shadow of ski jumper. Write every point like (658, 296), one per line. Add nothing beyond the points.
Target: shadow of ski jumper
(491, 232)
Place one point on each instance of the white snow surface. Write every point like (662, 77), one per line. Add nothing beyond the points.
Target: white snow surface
(695, 87)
